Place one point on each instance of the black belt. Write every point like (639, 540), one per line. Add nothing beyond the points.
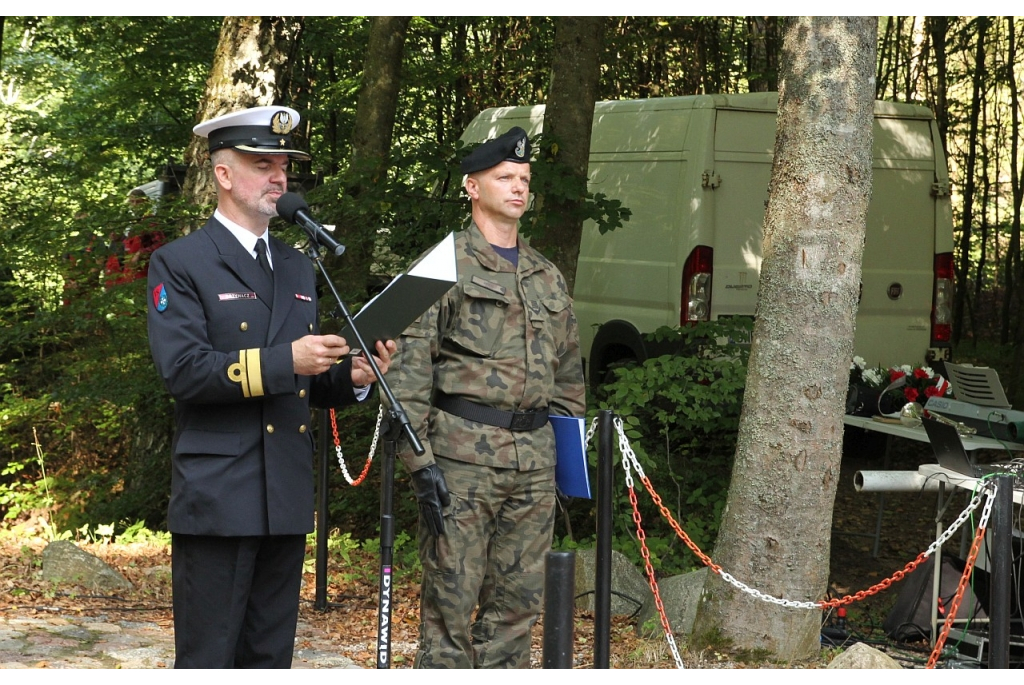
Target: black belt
(471, 411)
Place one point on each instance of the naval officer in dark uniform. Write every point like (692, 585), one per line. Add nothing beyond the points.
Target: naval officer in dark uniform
(234, 334)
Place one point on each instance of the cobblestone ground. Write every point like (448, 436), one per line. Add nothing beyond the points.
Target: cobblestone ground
(108, 642)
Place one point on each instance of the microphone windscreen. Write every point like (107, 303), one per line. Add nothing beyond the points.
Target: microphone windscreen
(289, 204)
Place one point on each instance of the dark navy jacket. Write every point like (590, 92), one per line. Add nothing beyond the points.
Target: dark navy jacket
(221, 337)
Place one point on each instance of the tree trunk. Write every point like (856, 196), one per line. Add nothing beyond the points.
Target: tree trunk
(967, 216)
(371, 143)
(762, 54)
(568, 122)
(378, 93)
(985, 161)
(776, 529)
(249, 69)
(897, 54)
(937, 28)
(886, 47)
(1014, 271)
(1010, 270)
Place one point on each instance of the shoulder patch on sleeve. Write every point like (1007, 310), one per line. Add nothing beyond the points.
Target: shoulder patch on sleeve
(160, 297)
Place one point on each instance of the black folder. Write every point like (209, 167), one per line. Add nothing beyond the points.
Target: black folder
(406, 297)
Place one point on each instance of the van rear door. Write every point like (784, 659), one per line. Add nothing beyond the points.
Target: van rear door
(894, 319)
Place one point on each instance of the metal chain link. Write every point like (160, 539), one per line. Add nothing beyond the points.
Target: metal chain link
(590, 432)
(369, 457)
(630, 462)
(986, 489)
(649, 568)
(962, 585)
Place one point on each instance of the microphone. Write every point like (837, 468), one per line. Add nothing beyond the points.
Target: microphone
(293, 209)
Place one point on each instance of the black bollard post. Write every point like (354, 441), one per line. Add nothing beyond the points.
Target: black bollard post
(603, 553)
(1002, 572)
(322, 529)
(559, 584)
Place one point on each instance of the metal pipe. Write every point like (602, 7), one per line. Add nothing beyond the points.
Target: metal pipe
(559, 584)
(894, 481)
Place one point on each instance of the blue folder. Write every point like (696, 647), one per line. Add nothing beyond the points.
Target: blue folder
(570, 445)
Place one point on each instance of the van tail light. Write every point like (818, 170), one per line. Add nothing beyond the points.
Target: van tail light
(696, 295)
(942, 300)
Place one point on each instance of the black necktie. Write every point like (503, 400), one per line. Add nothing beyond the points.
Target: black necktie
(261, 257)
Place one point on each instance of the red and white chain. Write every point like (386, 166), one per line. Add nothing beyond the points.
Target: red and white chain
(629, 462)
(369, 457)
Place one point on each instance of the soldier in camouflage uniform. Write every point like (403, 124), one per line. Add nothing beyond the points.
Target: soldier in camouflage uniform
(478, 375)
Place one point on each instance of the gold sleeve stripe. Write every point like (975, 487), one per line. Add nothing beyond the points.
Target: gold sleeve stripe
(248, 373)
(255, 372)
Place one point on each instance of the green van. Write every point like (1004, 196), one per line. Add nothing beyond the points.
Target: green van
(694, 171)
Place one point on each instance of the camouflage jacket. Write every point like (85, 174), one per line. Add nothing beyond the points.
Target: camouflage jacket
(501, 337)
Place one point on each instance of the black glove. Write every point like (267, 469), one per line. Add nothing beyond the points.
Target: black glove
(432, 493)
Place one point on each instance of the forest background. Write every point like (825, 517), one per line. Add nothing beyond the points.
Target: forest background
(92, 108)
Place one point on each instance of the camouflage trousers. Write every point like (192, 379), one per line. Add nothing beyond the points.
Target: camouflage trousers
(498, 530)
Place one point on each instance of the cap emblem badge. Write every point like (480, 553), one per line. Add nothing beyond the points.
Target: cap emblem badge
(281, 122)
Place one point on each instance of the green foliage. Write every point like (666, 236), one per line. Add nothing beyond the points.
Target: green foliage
(554, 180)
(346, 549)
(680, 414)
(102, 533)
(90, 107)
(139, 533)
(76, 364)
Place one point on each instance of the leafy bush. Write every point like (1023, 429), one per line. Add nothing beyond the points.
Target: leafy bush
(79, 380)
(680, 414)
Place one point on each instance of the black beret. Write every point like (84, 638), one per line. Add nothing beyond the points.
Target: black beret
(513, 146)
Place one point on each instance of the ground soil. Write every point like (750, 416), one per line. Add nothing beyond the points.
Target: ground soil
(349, 621)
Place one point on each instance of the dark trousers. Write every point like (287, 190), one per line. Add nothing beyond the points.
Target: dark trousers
(236, 600)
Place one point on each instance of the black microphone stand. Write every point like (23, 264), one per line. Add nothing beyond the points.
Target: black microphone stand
(397, 424)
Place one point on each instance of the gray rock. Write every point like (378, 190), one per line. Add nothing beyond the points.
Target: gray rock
(861, 655)
(629, 587)
(680, 596)
(64, 562)
(311, 658)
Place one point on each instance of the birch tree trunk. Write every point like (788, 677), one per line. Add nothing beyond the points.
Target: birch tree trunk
(776, 528)
(249, 67)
